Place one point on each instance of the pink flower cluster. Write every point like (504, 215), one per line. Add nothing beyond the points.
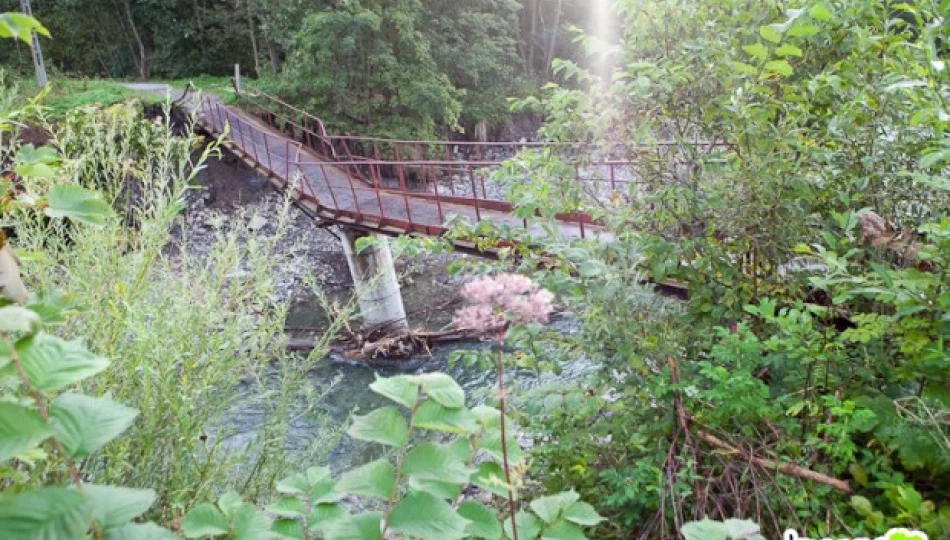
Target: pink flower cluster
(500, 299)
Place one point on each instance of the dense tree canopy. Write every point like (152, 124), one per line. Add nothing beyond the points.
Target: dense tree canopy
(395, 67)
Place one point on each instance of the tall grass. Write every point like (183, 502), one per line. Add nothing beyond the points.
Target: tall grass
(195, 342)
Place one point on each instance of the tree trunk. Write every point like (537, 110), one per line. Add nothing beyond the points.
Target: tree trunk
(38, 62)
(11, 286)
(143, 54)
(532, 34)
(554, 33)
(251, 28)
(274, 54)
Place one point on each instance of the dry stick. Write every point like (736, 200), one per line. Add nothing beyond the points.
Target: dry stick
(41, 407)
(504, 445)
(786, 468)
(675, 378)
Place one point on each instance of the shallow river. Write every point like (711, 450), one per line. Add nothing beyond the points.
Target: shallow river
(349, 386)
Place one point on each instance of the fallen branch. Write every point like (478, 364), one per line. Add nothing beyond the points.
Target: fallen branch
(422, 341)
(786, 468)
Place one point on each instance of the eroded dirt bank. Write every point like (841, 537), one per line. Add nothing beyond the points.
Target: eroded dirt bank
(230, 195)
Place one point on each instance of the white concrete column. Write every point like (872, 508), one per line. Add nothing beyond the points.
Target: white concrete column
(374, 276)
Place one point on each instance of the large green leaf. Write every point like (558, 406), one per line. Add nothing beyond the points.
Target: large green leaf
(436, 469)
(461, 448)
(423, 515)
(315, 475)
(45, 514)
(385, 426)
(582, 513)
(435, 462)
(491, 443)
(325, 516)
(744, 529)
(229, 502)
(140, 531)
(490, 477)
(300, 483)
(288, 528)
(204, 520)
(483, 523)
(562, 530)
(359, 527)
(529, 526)
(431, 415)
(20, 429)
(375, 479)
(114, 506)
(249, 524)
(288, 506)
(77, 203)
(782, 67)
(294, 484)
(20, 26)
(400, 389)
(442, 389)
(549, 508)
(324, 491)
(85, 424)
(705, 530)
(34, 162)
(51, 363)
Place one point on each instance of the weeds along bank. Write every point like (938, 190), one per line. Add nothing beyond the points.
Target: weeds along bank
(189, 336)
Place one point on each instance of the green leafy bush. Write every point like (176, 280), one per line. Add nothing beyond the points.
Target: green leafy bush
(800, 197)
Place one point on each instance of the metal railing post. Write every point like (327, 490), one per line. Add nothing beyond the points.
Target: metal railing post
(326, 178)
(400, 172)
(448, 159)
(270, 167)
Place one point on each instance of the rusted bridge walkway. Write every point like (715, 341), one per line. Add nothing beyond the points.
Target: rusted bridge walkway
(392, 186)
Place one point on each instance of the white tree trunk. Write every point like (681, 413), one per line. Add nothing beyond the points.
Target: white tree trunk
(11, 286)
(38, 62)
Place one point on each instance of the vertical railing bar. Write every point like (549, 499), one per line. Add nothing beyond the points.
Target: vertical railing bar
(448, 159)
(379, 201)
(356, 199)
(287, 159)
(438, 201)
(270, 166)
(326, 178)
(234, 125)
(399, 169)
(251, 132)
(378, 173)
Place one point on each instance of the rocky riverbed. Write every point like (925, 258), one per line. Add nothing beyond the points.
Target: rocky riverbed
(230, 195)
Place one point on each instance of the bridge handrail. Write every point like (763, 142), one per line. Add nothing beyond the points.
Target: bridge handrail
(357, 191)
(282, 103)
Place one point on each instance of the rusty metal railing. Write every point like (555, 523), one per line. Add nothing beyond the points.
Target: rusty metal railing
(400, 186)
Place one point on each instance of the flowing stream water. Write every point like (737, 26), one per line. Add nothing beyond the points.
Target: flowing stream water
(346, 383)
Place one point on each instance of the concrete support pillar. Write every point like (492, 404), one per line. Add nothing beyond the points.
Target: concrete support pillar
(374, 276)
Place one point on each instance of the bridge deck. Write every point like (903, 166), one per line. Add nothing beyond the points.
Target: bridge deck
(335, 194)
